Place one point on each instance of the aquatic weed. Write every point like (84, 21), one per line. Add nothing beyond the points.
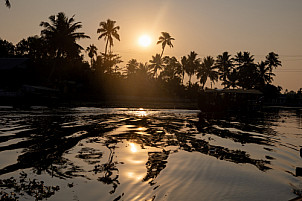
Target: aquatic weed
(23, 186)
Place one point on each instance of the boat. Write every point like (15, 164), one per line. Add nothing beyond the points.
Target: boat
(226, 101)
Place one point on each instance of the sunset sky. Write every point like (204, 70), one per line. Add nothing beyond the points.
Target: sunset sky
(208, 27)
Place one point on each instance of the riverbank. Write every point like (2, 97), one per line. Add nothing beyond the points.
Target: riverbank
(147, 104)
(108, 102)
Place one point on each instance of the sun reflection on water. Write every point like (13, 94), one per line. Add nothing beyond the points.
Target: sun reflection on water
(133, 147)
(135, 161)
(141, 112)
(135, 176)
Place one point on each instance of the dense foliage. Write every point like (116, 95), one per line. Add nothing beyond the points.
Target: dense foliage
(57, 61)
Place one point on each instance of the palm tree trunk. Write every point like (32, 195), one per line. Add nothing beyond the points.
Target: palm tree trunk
(162, 52)
(54, 64)
(106, 47)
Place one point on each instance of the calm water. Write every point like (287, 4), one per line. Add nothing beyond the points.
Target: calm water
(136, 154)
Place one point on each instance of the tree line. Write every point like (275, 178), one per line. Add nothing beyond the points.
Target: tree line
(57, 60)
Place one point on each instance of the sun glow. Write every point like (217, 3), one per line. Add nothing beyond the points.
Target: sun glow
(144, 41)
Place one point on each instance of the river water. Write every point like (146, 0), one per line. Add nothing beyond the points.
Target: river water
(111, 154)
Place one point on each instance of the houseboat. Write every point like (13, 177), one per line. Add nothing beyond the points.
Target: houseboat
(230, 101)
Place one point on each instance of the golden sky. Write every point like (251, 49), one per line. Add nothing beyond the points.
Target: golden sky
(208, 27)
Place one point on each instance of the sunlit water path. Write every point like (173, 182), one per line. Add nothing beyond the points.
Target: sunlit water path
(138, 154)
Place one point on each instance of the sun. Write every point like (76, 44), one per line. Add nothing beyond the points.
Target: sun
(144, 41)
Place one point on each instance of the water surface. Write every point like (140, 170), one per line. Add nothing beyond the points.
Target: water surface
(137, 154)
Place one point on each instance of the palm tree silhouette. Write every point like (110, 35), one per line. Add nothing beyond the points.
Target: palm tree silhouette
(110, 61)
(183, 62)
(172, 68)
(247, 71)
(207, 70)
(192, 64)
(108, 31)
(132, 67)
(272, 59)
(232, 79)
(156, 63)
(165, 39)
(143, 70)
(224, 63)
(61, 34)
(264, 73)
(92, 50)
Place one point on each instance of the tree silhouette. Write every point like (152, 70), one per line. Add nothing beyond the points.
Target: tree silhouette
(143, 70)
(61, 35)
(264, 74)
(232, 80)
(108, 31)
(34, 47)
(132, 67)
(183, 62)
(272, 59)
(92, 50)
(165, 39)
(192, 64)
(172, 68)
(110, 61)
(7, 49)
(247, 71)
(207, 70)
(224, 63)
(238, 58)
(156, 63)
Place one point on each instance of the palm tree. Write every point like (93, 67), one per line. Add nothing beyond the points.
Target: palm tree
(108, 31)
(192, 64)
(272, 59)
(247, 58)
(264, 74)
(238, 59)
(132, 67)
(183, 64)
(61, 35)
(165, 39)
(207, 70)
(232, 79)
(247, 71)
(110, 61)
(143, 70)
(156, 64)
(92, 50)
(224, 64)
(172, 68)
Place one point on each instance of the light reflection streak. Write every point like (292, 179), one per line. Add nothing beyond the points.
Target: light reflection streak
(135, 161)
(132, 175)
(141, 112)
(133, 148)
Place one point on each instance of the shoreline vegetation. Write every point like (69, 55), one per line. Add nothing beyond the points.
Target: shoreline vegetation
(145, 104)
(48, 67)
